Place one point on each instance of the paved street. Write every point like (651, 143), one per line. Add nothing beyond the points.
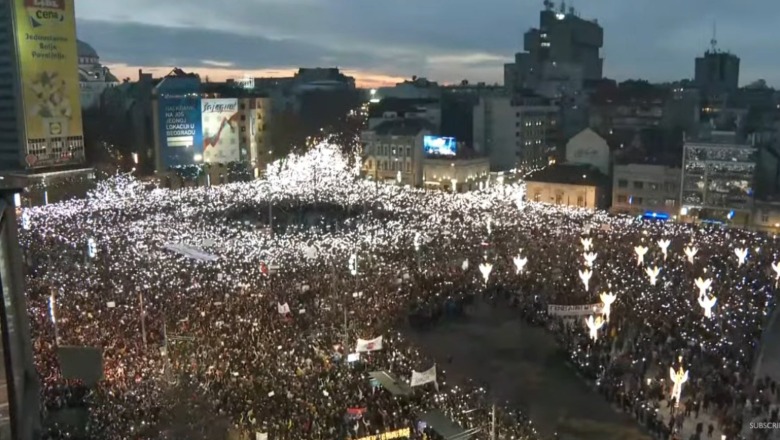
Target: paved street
(520, 363)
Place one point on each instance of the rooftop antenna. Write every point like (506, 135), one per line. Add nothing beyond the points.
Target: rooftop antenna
(714, 41)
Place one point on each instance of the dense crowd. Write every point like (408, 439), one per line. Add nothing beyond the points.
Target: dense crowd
(253, 331)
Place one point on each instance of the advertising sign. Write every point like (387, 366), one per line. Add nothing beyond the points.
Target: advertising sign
(439, 146)
(181, 138)
(46, 37)
(579, 310)
(221, 133)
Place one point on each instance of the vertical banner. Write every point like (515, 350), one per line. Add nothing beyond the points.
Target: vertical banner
(46, 37)
(181, 134)
(221, 132)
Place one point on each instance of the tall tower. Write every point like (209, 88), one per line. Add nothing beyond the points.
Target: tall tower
(717, 72)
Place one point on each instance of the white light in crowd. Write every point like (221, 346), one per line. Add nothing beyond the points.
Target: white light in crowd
(53, 309)
(353, 264)
(587, 243)
(454, 185)
(707, 303)
(489, 225)
(520, 263)
(640, 254)
(678, 378)
(91, 247)
(585, 277)
(417, 241)
(590, 257)
(664, 245)
(594, 324)
(690, 252)
(607, 299)
(485, 269)
(741, 254)
(398, 177)
(703, 285)
(25, 220)
(465, 265)
(135, 158)
(198, 157)
(653, 274)
(17, 200)
(776, 268)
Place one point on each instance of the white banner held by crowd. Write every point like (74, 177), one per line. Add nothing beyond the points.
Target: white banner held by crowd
(284, 309)
(190, 252)
(423, 377)
(365, 345)
(580, 310)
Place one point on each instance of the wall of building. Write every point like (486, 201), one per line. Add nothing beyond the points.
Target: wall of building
(638, 188)
(587, 147)
(464, 172)
(562, 194)
(511, 135)
(11, 122)
(387, 155)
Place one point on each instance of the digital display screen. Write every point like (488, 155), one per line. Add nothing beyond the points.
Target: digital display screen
(439, 146)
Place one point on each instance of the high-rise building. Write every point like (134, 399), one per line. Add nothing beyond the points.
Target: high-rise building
(40, 122)
(564, 48)
(717, 72)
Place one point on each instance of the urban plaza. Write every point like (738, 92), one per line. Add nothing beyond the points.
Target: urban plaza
(365, 313)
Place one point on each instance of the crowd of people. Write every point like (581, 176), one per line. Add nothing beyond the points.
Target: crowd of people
(256, 333)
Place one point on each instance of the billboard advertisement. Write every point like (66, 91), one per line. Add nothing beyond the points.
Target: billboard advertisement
(46, 38)
(221, 133)
(181, 137)
(439, 146)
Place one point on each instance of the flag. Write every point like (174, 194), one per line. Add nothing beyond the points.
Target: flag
(364, 345)
(424, 377)
(284, 309)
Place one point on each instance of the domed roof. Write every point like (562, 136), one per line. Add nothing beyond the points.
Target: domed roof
(85, 50)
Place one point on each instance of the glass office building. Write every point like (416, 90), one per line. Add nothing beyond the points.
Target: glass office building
(718, 178)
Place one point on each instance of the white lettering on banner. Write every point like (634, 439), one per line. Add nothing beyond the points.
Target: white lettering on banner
(365, 345)
(423, 377)
(220, 107)
(580, 310)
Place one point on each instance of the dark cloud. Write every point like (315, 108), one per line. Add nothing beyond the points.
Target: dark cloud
(653, 39)
(147, 45)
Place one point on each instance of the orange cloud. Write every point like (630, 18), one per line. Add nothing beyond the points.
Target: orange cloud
(362, 78)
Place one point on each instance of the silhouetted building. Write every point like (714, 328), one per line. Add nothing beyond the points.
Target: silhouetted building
(564, 50)
(717, 72)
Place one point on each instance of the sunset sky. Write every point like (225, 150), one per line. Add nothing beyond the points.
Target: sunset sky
(385, 42)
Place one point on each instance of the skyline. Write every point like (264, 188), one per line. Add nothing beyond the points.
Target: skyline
(384, 43)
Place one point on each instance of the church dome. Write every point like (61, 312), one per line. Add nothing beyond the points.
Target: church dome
(85, 50)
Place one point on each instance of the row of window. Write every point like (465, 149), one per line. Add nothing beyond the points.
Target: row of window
(390, 165)
(631, 200)
(391, 150)
(653, 186)
(558, 199)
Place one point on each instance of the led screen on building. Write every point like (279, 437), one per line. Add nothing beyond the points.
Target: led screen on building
(181, 136)
(439, 146)
(221, 133)
(46, 38)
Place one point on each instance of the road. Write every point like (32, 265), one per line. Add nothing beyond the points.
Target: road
(521, 364)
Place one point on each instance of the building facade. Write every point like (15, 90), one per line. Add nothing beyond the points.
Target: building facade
(718, 177)
(588, 148)
(568, 185)
(41, 126)
(564, 43)
(94, 78)
(455, 175)
(645, 188)
(514, 132)
(717, 72)
(393, 151)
